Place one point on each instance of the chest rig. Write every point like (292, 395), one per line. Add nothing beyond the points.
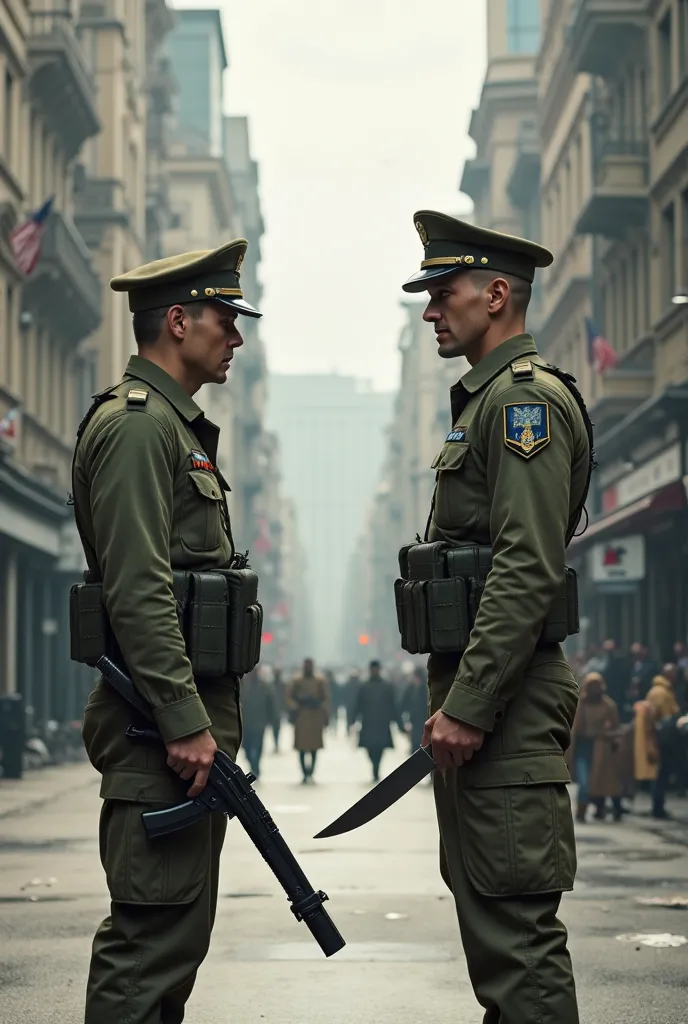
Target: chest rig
(438, 591)
(218, 611)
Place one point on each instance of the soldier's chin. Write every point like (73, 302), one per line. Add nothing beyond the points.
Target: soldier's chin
(448, 347)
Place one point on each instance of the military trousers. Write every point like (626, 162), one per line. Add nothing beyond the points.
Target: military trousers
(515, 945)
(163, 900)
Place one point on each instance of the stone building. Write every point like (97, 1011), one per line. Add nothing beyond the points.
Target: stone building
(49, 110)
(608, 167)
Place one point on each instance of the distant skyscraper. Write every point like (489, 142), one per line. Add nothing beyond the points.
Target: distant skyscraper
(331, 430)
(197, 52)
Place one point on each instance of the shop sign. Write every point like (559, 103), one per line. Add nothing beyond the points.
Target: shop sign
(618, 561)
(658, 472)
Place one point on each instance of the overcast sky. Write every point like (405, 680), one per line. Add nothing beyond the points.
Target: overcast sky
(359, 115)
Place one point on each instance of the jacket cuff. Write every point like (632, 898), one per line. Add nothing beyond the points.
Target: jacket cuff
(182, 718)
(474, 707)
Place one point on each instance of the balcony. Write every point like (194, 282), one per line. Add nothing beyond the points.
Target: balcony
(64, 285)
(524, 181)
(60, 81)
(100, 202)
(619, 196)
(475, 177)
(602, 30)
(618, 393)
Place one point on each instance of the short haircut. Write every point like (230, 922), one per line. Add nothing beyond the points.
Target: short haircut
(519, 289)
(147, 323)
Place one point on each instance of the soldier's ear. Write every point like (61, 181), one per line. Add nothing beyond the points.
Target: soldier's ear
(499, 294)
(176, 321)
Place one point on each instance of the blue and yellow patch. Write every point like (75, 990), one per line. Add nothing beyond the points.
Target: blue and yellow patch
(526, 428)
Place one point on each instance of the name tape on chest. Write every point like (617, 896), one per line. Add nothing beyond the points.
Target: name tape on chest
(201, 461)
(457, 434)
(526, 428)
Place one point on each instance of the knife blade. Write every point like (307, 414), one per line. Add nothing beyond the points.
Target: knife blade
(386, 793)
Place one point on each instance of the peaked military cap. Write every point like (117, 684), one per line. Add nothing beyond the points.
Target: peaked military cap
(201, 276)
(452, 245)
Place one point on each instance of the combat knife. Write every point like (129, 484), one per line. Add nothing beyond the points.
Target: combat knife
(386, 793)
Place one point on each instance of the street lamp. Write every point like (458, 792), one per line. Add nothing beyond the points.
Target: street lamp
(680, 298)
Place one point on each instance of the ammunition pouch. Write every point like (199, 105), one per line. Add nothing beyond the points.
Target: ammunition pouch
(438, 595)
(219, 617)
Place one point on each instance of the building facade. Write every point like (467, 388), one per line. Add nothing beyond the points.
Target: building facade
(600, 172)
(49, 111)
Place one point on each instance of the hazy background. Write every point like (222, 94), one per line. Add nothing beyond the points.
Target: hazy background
(359, 116)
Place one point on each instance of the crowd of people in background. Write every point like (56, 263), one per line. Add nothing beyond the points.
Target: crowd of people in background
(369, 706)
(630, 733)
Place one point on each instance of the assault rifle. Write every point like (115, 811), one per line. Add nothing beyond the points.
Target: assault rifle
(229, 789)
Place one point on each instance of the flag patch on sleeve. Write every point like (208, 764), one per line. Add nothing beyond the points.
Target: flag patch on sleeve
(526, 428)
(201, 461)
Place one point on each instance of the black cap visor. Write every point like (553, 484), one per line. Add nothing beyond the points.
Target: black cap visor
(239, 306)
(419, 282)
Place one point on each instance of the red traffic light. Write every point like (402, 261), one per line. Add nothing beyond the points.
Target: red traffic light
(267, 638)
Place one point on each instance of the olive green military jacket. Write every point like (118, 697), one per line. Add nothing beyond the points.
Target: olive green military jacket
(512, 473)
(149, 499)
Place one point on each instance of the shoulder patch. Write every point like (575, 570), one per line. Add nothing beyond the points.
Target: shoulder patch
(457, 434)
(199, 460)
(137, 396)
(526, 428)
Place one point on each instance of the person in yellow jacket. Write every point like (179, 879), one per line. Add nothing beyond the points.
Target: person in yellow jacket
(655, 738)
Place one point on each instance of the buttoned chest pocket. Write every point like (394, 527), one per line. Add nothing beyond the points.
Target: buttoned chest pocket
(201, 520)
(456, 497)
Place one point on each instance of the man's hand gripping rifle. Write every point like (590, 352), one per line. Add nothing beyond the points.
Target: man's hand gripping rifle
(229, 789)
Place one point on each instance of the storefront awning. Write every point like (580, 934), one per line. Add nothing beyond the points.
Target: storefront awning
(668, 499)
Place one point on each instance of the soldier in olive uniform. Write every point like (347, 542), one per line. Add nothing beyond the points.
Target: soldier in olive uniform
(149, 499)
(513, 473)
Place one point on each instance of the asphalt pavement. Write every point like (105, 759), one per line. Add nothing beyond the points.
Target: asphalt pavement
(403, 961)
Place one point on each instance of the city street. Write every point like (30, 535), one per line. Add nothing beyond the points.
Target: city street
(403, 961)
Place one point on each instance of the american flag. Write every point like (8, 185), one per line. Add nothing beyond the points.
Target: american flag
(601, 354)
(8, 424)
(25, 239)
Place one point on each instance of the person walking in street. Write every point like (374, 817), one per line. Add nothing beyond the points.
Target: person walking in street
(665, 712)
(258, 713)
(513, 474)
(414, 706)
(376, 710)
(149, 500)
(593, 754)
(308, 702)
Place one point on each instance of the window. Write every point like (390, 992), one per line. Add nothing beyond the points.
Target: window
(665, 56)
(523, 26)
(635, 284)
(8, 118)
(668, 251)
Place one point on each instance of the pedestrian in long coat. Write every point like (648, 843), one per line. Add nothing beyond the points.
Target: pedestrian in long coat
(593, 753)
(376, 709)
(308, 702)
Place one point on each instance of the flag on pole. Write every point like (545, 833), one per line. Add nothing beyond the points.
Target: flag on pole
(8, 425)
(601, 354)
(25, 239)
